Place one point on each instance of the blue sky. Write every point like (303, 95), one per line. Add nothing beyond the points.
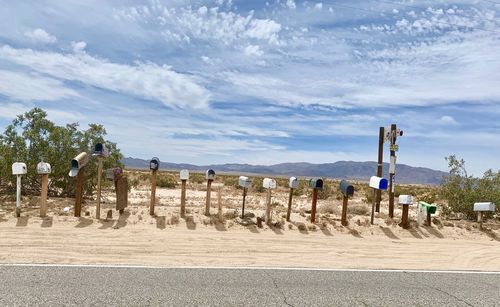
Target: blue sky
(262, 82)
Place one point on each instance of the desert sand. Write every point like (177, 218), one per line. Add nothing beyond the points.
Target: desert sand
(136, 238)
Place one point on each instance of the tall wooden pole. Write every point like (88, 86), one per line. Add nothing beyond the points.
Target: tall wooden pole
(80, 179)
(344, 211)
(243, 208)
(207, 203)
(219, 203)
(183, 199)
(289, 211)
(313, 207)
(373, 206)
(18, 196)
(99, 175)
(379, 164)
(404, 217)
(268, 207)
(391, 176)
(153, 193)
(43, 195)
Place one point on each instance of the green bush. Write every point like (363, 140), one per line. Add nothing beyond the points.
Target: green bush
(166, 181)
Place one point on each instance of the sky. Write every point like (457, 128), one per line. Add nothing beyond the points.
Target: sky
(262, 82)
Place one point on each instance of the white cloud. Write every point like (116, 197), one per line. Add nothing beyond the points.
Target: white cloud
(40, 36)
(146, 80)
(78, 46)
(448, 120)
(318, 6)
(253, 50)
(291, 4)
(32, 87)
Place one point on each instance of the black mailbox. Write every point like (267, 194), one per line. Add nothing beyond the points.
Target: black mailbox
(316, 183)
(154, 164)
(346, 189)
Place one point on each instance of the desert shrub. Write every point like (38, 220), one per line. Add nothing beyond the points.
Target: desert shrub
(166, 181)
(368, 195)
(230, 181)
(302, 188)
(197, 178)
(461, 190)
(257, 185)
(358, 209)
(134, 182)
(31, 138)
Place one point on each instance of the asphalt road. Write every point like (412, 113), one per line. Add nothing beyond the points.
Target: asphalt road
(131, 286)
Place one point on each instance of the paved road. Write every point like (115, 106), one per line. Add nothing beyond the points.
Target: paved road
(124, 286)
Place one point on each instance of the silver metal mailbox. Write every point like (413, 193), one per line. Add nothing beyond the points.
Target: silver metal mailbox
(154, 164)
(244, 182)
(210, 174)
(484, 206)
(43, 168)
(100, 150)
(269, 183)
(19, 168)
(405, 200)
(77, 163)
(293, 183)
(184, 174)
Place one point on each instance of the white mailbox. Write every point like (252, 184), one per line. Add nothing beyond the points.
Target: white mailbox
(388, 133)
(405, 200)
(184, 174)
(77, 163)
(378, 183)
(19, 168)
(484, 206)
(244, 182)
(210, 174)
(43, 168)
(269, 183)
(293, 183)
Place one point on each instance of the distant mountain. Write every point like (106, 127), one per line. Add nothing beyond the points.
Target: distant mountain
(340, 170)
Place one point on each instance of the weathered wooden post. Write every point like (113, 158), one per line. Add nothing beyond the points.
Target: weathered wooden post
(347, 190)
(293, 184)
(121, 187)
(154, 165)
(482, 207)
(101, 152)
(380, 162)
(245, 183)
(210, 175)
(268, 184)
(19, 169)
(376, 183)
(391, 135)
(44, 170)
(317, 185)
(184, 175)
(78, 170)
(406, 201)
(219, 202)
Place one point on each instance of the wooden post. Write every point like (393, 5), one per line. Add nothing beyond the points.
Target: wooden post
(243, 208)
(153, 193)
(429, 219)
(268, 207)
(207, 204)
(313, 207)
(43, 195)
(379, 164)
(99, 175)
(121, 188)
(344, 211)
(480, 219)
(372, 217)
(219, 203)
(80, 179)
(391, 176)
(289, 211)
(183, 199)
(404, 217)
(18, 196)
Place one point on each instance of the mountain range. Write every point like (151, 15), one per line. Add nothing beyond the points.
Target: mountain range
(338, 170)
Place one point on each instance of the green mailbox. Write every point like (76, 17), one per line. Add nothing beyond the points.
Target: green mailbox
(424, 211)
(316, 183)
(431, 209)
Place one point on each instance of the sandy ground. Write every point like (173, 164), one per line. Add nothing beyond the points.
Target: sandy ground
(137, 238)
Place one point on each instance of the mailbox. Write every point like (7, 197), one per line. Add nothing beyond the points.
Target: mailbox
(43, 168)
(428, 208)
(244, 182)
(346, 189)
(293, 183)
(77, 163)
(269, 183)
(378, 183)
(100, 150)
(114, 173)
(184, 174)
(405, 200)
(316, 183)
(210, 174)
(388, 133)
(19, 168)
(154, 164)
(484, 206)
